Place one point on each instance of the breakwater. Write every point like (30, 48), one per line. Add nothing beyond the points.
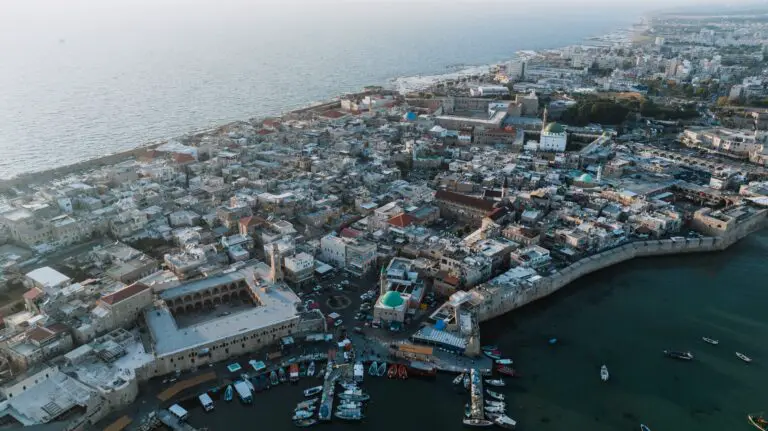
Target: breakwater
(500, 300)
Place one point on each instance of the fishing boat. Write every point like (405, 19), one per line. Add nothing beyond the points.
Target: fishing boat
(302, 414)
(293, 373)
(373, 370)
(604, 373)
(494, 409)
(348, 386)
(467, 410)
(422, 369)
(229, 393)
(493, 354)
(313, 391)
(354, 395)
(458, 379)
(466, 381)
(507, 371)
(505, 421)
(307, 403)
(758, 421)
(347, 404)
(644, 428)
(402, 372)
(495, 395)
(303, 423)
(273, 380)
(310, 408)
(495, 382)
(392, 372)
(382, 369)
(470, 422)
(349, 415)
(710, 341)
(311, 369)
(281, 375)
(504, 361)
(495, 403)
(744, 357)
(684, 356)
(489, 348)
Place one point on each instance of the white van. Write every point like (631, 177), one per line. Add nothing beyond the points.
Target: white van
(206, 401)
(179, 412)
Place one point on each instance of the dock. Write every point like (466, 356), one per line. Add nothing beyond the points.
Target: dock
(476, 393)
(326, 400)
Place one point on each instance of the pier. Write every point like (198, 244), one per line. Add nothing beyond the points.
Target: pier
(326, 400)
(476, 394)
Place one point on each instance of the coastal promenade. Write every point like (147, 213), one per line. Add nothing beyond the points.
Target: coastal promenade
(502, 299)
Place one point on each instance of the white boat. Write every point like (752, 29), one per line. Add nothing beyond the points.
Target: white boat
(307, 403)
(644, 428)
(744, 357)
(302, 414)
(495, 403)
(358, 371)
(373, 370)
(710, 341)
(494, 409)
(604, 373)
(495, 382)
(495, 395)
(382, 371)
(458, 379)
(309, 408)
(346, 404)
(477, 422)
(504, 361)
(311, 369)
(313, 391)
(349, 386)
(466, 381)
(505, 421)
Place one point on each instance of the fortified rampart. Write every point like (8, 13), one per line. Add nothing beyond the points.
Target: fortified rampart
(503, 299)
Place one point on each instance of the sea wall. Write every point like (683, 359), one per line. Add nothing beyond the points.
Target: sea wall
(501, 300)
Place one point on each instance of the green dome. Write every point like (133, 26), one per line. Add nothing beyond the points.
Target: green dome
(554, 128)
(584, 178)
(392, 299)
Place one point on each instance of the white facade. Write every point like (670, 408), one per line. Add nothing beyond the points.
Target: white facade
(553, 142)
(333, 250)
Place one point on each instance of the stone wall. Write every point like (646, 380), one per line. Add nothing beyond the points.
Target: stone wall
(508, 298)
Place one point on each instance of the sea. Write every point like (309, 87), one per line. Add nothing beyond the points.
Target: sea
(623, 317)
(84, 78)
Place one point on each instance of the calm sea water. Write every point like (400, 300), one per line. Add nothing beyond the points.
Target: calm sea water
(623, 317)
(82, 78)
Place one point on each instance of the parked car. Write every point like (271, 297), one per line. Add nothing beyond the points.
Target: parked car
(338, 323)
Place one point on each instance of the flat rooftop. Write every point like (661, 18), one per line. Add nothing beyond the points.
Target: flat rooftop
(278, 304)
(201, 285)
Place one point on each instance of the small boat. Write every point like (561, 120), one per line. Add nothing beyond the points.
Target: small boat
(604, 373)
(302, 414)
(477, 422)
(373, 370)
(710, 341)
(744, 357)
(685, 356)
(553, 341)
(348, 386)
(495, 395)
(349, 415)
(489, 348)
(458, 379)
(504, 361)
(758, 421)
(495, 403)
(281, 375)
(493, 354)
(494, 409)
(356, 395)
(273, 380)
(505, 421)
(392, 372)
(644, 428)
(303, 423)
(302, 370)
(321, 373)
(467, 410)
(495, 382)
(507, 371)
(402, 372)
(310, 408)
(228, 393)
(466, 381)
(307, 403)
(313, 391)
(382, 369)
(311, 369)
(347, 404)
(293, 373)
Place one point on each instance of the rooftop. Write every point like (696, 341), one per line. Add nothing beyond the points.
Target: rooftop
(47, 276)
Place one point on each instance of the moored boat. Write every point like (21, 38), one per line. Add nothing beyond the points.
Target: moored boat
(349, 415)
(302, 414)
(392, 372)
(467, 410)
(743, 357)
(493, 354)
(495, 395)
(644, 428)
(458, 379)
(273, 379)
(505, 370)
(354, 395)
(604, 373)
(757, 421)
(302, 370)
(307, 403)
(281, 375)
(313, 391)
(347, 404)
(310, 408)
(311, 369)
(476, 422)
(422, 369)
(382, 371)
(710, 341)
(402, 372)
(373, 370)
(229, 393)
(494, 409)
(489, 348)
(505, 421)
(466, 381)
(495, 382)
(685, 356)
(495, 403)
(504, 361)
(303, 423)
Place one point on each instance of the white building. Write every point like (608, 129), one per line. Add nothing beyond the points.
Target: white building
(553, 138)
(491, 90)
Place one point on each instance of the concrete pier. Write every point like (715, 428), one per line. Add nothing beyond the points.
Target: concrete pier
(476, 392)
(326, 399)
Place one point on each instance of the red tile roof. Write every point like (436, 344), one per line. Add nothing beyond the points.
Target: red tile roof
(332, 114)
(32, 293)
(401, 220)
(460, 199)
(124, 293)
(348, 232)
(183, 158)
